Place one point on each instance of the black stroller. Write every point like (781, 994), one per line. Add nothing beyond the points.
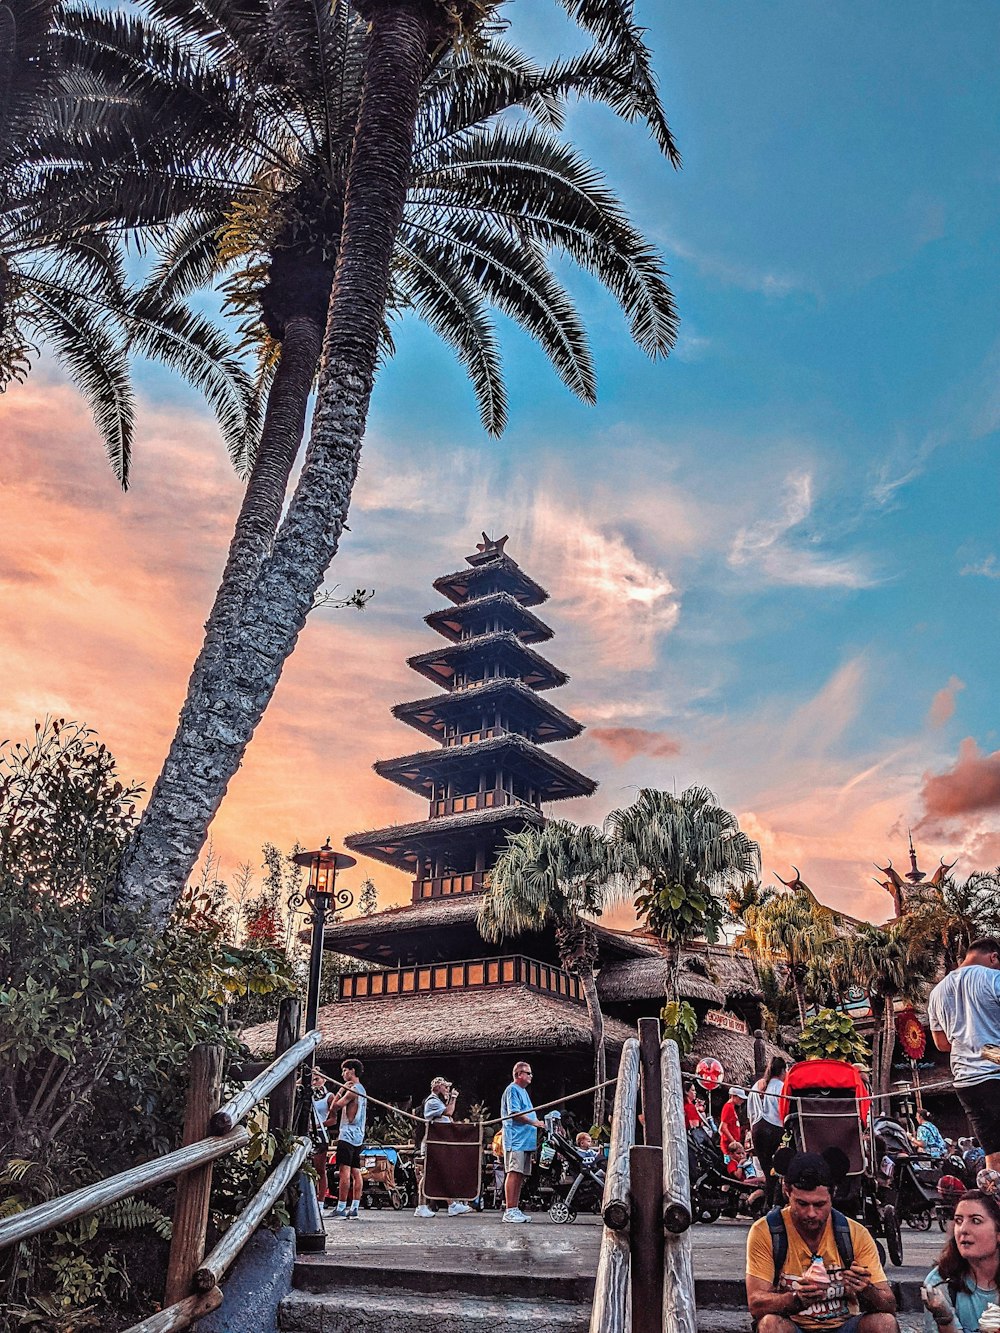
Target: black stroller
(581, 1187)
(714, 1191)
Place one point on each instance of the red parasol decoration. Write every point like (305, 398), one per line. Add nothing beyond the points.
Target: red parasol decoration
(709, 1073)
(912, 1037)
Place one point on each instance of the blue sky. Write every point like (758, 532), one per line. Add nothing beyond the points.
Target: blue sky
(774, 558)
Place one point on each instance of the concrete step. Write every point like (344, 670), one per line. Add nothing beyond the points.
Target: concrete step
(372, 1310)
(485, 1273)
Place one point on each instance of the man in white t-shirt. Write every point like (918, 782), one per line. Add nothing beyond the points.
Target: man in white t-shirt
(963, 1013)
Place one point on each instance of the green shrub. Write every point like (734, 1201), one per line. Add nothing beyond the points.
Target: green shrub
(831, 1035)
(680, 1024)
(97, 1019)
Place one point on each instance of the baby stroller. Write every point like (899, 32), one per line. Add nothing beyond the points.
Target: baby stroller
(714, 1191)
(914, 1173)
(580, 1187)
(826, 1106)
(383, 1178)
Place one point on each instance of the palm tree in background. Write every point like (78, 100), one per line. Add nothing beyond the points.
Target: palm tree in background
(557, 875)
(790, 929)
(946, 919)
(239, 668)
(62, 279)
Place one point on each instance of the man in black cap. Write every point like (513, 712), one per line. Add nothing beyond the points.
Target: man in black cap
(811, 1268)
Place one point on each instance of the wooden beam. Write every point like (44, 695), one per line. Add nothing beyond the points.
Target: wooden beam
(281, 1106)
(138, 1178)
(233, 1111)
(649, 1065)
(212, 1271)
(610, 1313)
(646, 1242)
(187, 1242)
(181, 1315)
(679, 1315)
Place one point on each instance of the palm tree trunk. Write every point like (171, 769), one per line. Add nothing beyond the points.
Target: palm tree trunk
(228, 700)
(596, 1015)
(800, 994)
(887, 1046)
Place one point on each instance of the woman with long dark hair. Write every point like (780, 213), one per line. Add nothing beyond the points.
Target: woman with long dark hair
(766, 1129)
(957, 1292)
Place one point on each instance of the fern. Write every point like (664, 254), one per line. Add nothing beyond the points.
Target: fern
(132, 1214)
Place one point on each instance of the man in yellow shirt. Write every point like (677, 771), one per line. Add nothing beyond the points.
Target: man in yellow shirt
(847, 1291)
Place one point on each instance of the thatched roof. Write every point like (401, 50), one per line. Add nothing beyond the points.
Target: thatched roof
(438, 665)
(734, 1051)
(450, 619)
(461, 585)
(556, 779)
(425, 713)
(649, 979)
(501, 1018)
(393, 844)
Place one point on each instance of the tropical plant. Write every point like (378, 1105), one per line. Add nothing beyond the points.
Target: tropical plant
(680, 1024)
(787, 929)
(832, 1035)
(557, 875)
(232, 682)
(889, 964)
(62, 280)
(946, 919)
(98, 1021)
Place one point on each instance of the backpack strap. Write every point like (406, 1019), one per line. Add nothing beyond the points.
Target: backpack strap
(842, 1235)
(779, 1241)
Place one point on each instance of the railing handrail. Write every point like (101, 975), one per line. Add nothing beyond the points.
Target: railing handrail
(612, 1287)
(523, 962)
(88, 1199)
(232, 1112)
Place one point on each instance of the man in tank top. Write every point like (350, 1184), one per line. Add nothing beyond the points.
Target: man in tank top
(353, 1105)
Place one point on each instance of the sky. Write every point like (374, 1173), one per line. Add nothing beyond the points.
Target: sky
(773, 558)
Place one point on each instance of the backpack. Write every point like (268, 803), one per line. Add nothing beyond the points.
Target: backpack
(779, 1239)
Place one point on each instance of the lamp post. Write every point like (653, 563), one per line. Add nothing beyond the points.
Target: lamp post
(310, 1234)
(320, 892)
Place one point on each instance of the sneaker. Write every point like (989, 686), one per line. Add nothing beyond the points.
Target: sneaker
(425, 1211)
(353, 1215)
(515, 1215)
(988, 1181)
(457, 1209)
(339, 1212)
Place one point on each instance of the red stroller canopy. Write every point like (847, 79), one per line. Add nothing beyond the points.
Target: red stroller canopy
(812, 1077)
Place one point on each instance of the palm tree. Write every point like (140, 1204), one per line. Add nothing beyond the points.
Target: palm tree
(786, 928)
(234, 680)
(559, 874)
(679, 853)
(949, 916)
(889, 964)
(62, 279)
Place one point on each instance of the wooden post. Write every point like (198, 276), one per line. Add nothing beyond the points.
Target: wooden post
(646, 1276)
(187, 1246)
(281, 1106)
(610, 1312)
(679, 1314)
(180, 1315)
(649, 1064)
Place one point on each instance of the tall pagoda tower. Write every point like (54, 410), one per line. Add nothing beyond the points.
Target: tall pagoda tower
(489, 772)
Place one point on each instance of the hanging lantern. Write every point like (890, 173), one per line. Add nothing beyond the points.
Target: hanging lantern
(912, 1036)
(709, 1073)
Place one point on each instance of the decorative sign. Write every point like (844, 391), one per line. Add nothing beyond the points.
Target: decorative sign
(709, 1074)
(911, 1035)
(722, 1018)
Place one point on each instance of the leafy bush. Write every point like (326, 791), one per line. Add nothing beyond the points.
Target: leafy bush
(680, 1024)
(97, 1020)
(831, 1035)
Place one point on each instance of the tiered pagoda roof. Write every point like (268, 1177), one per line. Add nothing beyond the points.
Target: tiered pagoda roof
(489, 775)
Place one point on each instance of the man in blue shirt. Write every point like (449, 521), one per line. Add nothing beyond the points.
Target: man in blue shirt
(520, 1138)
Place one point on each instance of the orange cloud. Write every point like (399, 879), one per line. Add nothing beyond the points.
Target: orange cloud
(942, 707)
(626, 743)
(970, 787)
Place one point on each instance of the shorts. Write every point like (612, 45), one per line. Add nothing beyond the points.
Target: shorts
(348, 1154)
(848, 1326)
(981, 1104)
(515, 1160)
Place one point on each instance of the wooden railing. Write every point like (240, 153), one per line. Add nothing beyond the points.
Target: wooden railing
(492, 798)
(211, 1131)
(469, 737)
(645, 1281)
(471, 974)
(446, 886)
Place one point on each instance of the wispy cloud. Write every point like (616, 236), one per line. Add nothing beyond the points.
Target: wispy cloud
(625, 743)
(747, 277)
(767, 547)
(988, 568)
(942, 707)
